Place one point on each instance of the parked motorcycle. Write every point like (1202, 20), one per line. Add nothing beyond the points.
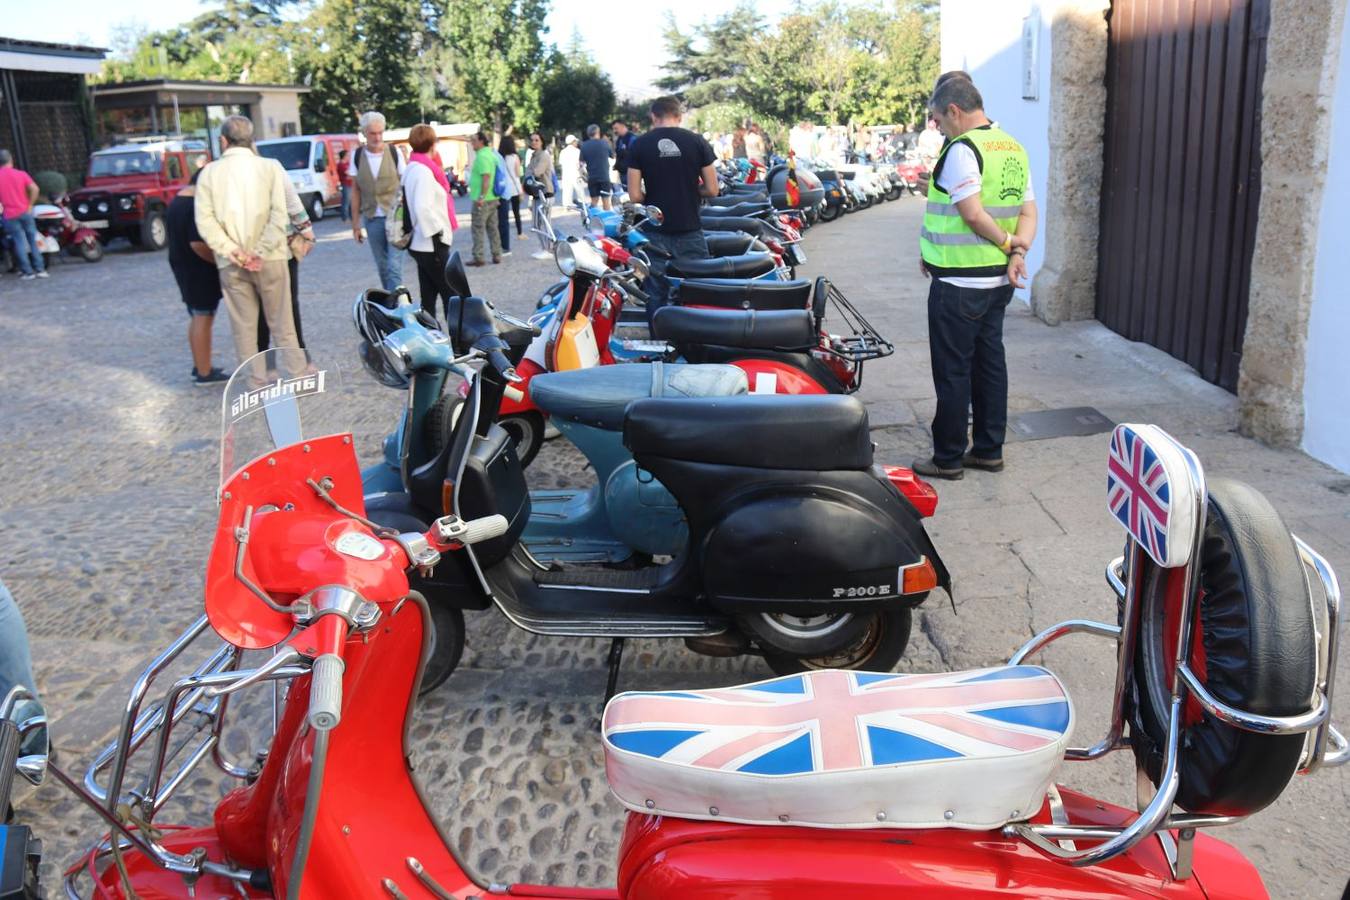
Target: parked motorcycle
(869, 786)
(59, 232)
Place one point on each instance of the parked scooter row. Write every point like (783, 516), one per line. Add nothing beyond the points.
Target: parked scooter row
(586, 562)
(819, 784)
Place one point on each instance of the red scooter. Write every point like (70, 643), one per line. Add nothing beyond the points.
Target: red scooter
(55, 222)
(823, 784)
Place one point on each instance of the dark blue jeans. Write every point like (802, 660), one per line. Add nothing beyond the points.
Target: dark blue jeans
(685, 245)
(970, 371)
(22, 231)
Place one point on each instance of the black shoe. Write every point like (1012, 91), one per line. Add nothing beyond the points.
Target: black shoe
(989, 465)
(215, 376)
(930, 469)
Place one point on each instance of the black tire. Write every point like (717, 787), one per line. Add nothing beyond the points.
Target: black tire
(1256, 629)
(894, 192)
(447, 642)
(315, 207)
(440, 422)
(829, 212)
(91, 251)
(877, 648)
(527, 430)
(153, 233)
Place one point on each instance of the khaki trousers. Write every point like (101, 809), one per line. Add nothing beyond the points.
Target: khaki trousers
(248, 294)
(485, 229)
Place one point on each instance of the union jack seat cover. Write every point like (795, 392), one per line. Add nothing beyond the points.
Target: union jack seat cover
(1150, 491)
(844, 749)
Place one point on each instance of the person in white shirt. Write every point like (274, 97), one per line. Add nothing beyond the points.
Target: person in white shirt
(930, 144)
(241, 215)
(428, 192)
(803, 141)
(569, 159)
(374, 193)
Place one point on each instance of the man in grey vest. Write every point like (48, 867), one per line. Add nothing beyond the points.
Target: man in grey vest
(376, 171)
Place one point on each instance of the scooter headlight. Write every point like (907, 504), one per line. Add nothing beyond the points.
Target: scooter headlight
(396, 356)
(566, 258)
(640, 267)
(103, 206)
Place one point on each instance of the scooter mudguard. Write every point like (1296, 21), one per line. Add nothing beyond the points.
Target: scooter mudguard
(664, 857)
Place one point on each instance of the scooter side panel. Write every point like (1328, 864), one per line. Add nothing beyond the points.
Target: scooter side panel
(665, 857)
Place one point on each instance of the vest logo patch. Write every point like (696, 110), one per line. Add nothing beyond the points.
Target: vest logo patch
(1014, 179)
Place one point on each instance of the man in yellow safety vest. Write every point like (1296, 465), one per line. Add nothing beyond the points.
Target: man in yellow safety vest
(979, 222)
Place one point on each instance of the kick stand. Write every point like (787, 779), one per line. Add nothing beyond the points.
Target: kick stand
(615, 658)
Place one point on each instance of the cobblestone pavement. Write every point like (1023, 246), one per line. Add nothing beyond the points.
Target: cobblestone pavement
(108, 461)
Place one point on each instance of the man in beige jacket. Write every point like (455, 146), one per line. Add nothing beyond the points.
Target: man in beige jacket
(241, 214)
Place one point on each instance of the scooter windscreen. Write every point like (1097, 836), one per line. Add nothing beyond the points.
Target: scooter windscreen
(275, 399)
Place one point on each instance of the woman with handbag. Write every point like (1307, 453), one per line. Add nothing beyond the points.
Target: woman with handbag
(428, 202)
(299, 241)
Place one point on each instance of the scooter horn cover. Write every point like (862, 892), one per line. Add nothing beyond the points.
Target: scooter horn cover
(844, 749)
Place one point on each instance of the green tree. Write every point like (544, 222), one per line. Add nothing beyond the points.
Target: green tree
(575, 93)
(362, 55)
(499, 58)
(709, 64)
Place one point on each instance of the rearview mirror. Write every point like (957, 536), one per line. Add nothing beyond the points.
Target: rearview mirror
(654, 214)
(456, 279)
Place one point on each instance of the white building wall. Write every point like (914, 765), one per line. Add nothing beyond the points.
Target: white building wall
(985, 39)
(1326, 385)
(275, 109)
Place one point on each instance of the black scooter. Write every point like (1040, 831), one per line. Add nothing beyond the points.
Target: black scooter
(799, 549)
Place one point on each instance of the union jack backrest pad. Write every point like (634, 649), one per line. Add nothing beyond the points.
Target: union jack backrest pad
(1151, 492)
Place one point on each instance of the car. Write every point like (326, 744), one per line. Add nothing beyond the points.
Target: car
(311, 162)
(128, 187)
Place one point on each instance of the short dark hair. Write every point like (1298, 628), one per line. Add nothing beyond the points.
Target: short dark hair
(480, 137)
(666, 108)
(960, 92)
(618, 122)
(422, 138)
(949, 75)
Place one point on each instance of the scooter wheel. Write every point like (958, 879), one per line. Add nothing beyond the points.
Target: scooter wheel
(527, 430)
(446, 630)
(829, 213)
(877, 647)
(91, 251)
(1254, 648)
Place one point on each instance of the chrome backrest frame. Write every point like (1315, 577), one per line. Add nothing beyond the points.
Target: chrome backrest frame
(1325, 745)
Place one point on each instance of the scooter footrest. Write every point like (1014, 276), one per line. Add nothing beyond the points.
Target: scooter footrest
(600, 577)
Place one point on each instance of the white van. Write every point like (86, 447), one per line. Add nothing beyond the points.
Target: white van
(311, 161)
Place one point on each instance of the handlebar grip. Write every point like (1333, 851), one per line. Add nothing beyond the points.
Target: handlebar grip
(484, 529)
(514, 394)
(9, 756)
(325, 692)
(631, 287)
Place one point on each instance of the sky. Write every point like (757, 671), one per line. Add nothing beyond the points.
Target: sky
(631, 52)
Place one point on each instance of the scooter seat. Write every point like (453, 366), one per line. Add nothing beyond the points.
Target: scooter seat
(737, 294)
(842, 749)
(742, 187)
(816, 432)
(785, 329)
(744, 208)
(732, 243)
(747, 265)
(746, 224)
(598, 396)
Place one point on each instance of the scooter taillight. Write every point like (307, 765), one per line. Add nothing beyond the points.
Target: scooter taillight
(914, 489)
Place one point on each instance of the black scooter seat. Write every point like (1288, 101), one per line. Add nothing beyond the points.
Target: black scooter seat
(747, 265)
(734, 294)
(732, 243)
(741, 187)
(786, 329)
(598, 396)
(812, 432)
(744, 208)
(756, 227)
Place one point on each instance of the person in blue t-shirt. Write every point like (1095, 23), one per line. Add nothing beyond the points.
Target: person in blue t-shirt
(595, 156)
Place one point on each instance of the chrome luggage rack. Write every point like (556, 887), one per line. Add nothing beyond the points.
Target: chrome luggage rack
(862, 342)
(1324, 747)
(196, 702)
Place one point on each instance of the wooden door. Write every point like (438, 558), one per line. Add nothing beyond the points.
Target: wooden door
(1182, 176)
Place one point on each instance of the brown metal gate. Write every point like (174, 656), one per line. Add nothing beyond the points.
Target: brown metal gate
(1182, 176)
